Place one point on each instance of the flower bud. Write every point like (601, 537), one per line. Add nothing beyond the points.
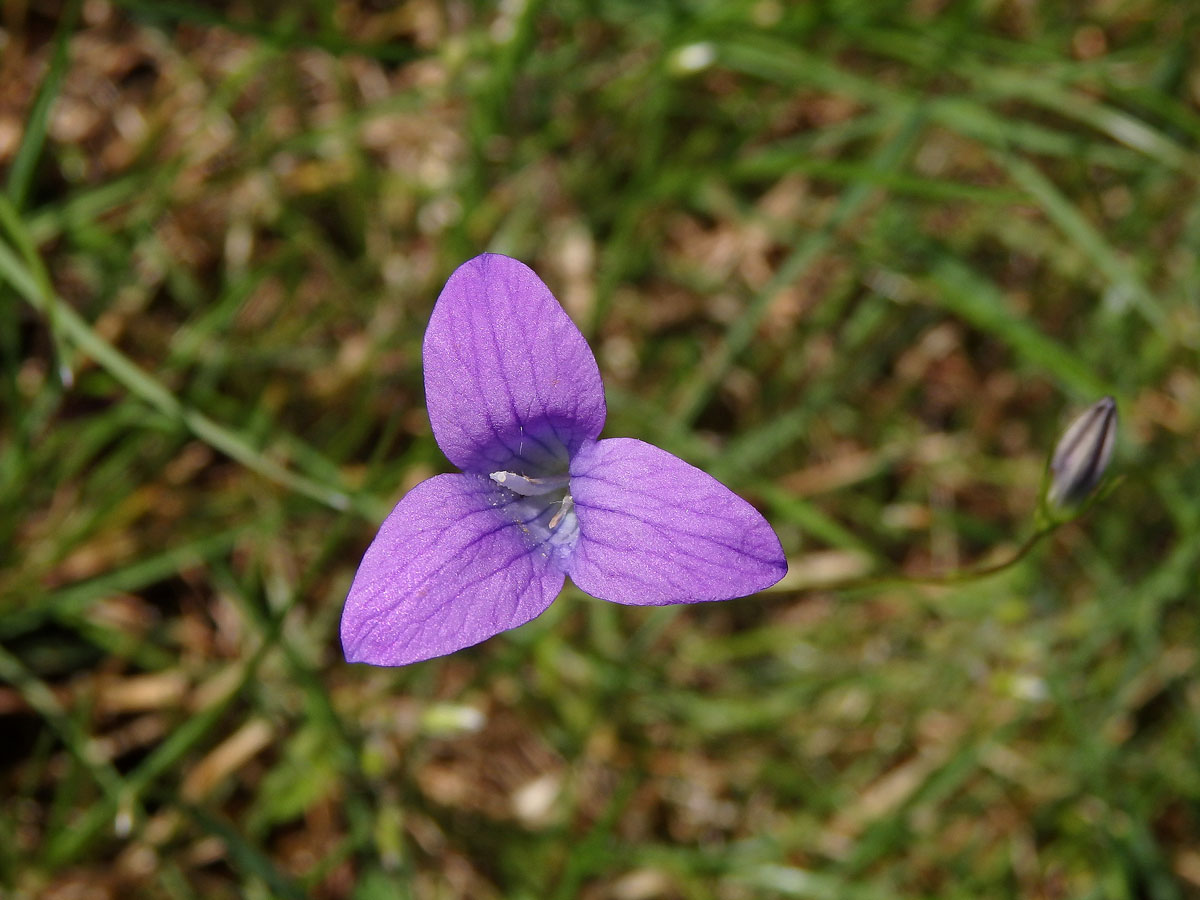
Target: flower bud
(1083, 454)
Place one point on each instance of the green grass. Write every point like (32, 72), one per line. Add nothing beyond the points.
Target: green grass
(863, 265)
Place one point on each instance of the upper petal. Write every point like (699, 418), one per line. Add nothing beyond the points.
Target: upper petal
(510, 382)
(450, 567)
(655, 530)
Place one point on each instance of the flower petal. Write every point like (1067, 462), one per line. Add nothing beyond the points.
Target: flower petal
(451, 566)
(510, 382)
(655, 530)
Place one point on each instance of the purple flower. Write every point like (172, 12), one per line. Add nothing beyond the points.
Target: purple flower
(515, 400)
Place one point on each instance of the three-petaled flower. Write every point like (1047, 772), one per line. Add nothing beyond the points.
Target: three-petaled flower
(515, 400)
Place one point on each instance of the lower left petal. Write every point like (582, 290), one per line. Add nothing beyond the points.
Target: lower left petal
(450, 567)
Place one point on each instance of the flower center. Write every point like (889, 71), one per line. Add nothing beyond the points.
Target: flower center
(545, 508)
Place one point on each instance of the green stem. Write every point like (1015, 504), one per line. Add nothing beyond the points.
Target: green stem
(1047, 520)
(955, 576)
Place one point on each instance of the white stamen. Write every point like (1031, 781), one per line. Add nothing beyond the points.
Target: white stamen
(568, 504)
(530, 487)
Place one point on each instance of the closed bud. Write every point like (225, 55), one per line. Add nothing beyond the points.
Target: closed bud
(1083, 454)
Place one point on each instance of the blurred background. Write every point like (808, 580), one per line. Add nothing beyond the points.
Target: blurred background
(861, 261)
